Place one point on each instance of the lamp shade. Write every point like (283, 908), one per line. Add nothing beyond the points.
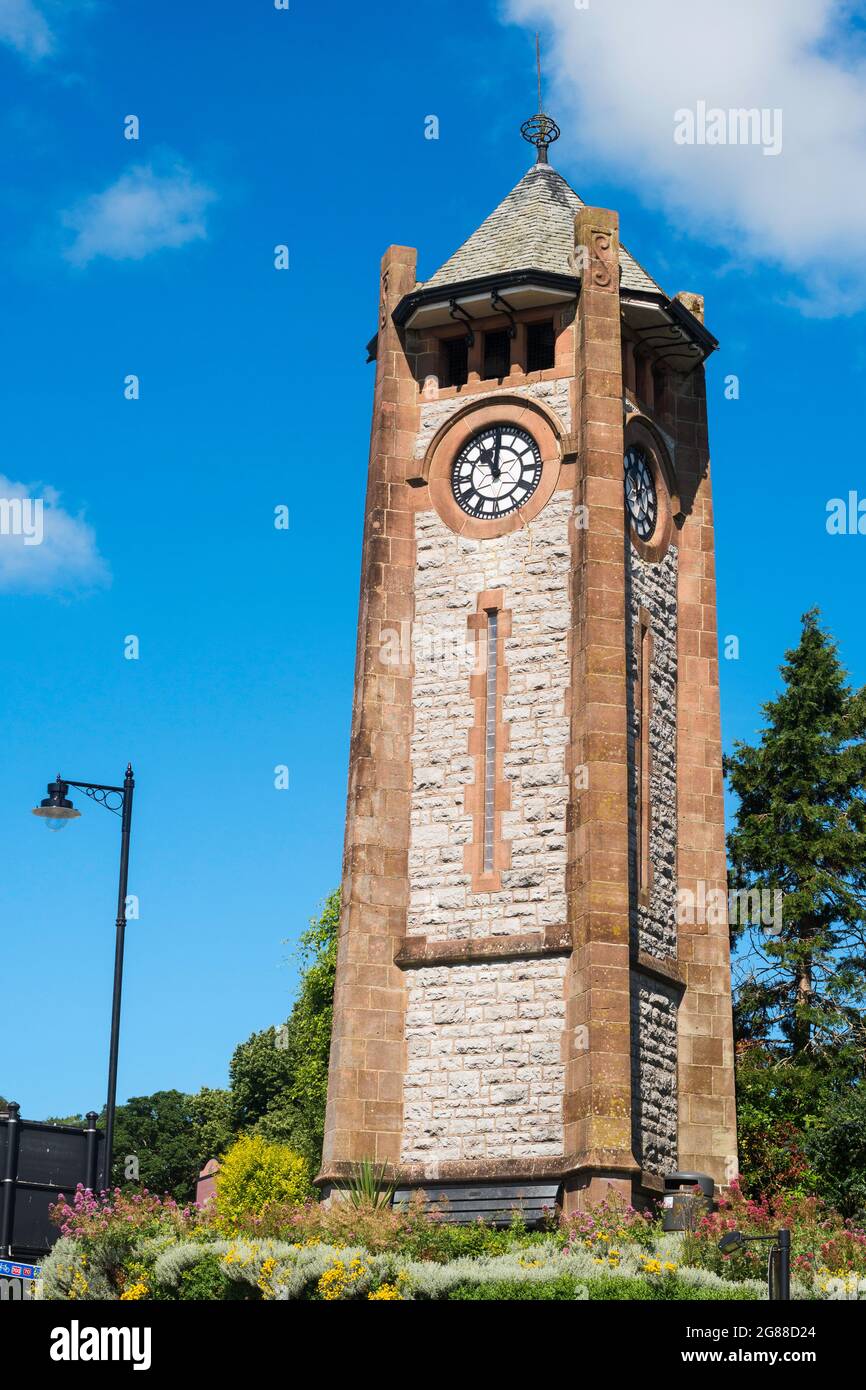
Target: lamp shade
(55, 809)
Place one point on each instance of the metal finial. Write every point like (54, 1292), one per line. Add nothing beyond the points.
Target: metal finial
(540, 130)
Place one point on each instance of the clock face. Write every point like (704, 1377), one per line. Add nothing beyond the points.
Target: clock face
(640, 492)
(496, 472)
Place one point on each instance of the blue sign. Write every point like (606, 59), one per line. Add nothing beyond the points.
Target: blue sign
(14, 1269)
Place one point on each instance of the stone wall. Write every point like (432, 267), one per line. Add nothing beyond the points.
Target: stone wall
(484, 1074)
(653, 587)
(654, 1074)
(532, 566)
(434, 413)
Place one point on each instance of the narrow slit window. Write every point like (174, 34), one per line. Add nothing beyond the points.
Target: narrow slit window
(540, 346)
(456, 363)
(644, 758)
(497, 354)
(490, 740)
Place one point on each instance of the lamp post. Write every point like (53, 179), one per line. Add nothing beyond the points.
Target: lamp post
(779, 1266)
(56, 810)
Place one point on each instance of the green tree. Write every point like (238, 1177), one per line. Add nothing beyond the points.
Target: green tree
(836, 1147)
(779, 1100)
(169, 1136)
(212, 1116)
(801, 830)
(279, 1077)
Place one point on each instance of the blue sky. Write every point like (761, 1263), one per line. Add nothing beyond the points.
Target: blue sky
(155, 257)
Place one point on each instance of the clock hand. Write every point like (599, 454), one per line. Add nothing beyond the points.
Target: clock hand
(494, 467)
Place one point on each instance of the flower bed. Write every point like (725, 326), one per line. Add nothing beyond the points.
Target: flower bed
(139, 1246)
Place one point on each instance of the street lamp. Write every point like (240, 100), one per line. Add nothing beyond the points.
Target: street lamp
(779, 1266)
(57, 810)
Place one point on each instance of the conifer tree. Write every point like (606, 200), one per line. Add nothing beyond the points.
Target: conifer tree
(801, 828)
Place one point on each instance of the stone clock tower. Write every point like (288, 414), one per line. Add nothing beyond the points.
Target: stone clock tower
(530, 1001)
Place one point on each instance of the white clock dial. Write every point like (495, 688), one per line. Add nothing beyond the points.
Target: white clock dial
(640, 492)
(496, 472)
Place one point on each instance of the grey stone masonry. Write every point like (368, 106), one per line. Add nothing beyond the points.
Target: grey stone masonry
(654, 1074)
(654, 588)
(484, 1076)
(532, 567)
(434, 414)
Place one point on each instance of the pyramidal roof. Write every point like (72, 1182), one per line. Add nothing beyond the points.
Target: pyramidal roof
(532, 229)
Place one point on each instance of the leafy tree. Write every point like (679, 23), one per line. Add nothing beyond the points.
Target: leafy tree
(778, 1101)
(801, 829)
(279, 1077)
(212, 1115)
(836, 1148)
(170, 1135)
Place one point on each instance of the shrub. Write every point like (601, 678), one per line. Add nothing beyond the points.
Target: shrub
(612, 1220)
(207, 1280)
(820, 1237)
(322, 1272)
(368, 1186)
(418, 1233)
(837, 1149)
(430, 1236)
(70, 1273)
(109, 1241)
(256, 1175)
(121, 1216)
(564, 1288)
(567, 1288)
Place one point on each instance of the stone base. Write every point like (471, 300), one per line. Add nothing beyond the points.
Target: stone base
(467, 1191)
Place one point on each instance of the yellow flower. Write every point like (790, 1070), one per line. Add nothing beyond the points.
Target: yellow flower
(337, 1279)
(79, 1286)
(264, 1279)
(385, 1292)
(139, 1290)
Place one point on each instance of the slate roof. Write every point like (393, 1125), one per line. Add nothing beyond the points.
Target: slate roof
(532, 229)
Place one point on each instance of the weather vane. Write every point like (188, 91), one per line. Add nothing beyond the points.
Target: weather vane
(540, 130)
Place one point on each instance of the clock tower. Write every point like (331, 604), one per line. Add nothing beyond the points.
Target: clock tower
(532, 998)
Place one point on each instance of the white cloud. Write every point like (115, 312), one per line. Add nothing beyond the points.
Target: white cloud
(142, 212)
(623, 68)
(43, 547)
(25, 27)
